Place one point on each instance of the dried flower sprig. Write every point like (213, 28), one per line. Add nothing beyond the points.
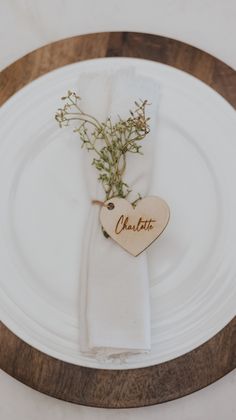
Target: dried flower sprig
(110, 142)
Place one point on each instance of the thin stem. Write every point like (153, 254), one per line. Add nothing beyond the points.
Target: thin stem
(110, 142)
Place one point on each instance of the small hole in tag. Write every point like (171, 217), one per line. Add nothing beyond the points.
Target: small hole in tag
(110, 206)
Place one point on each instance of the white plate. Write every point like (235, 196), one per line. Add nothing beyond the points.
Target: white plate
(44, 206)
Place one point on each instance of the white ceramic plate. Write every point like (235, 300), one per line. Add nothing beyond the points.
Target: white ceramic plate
(44, 206)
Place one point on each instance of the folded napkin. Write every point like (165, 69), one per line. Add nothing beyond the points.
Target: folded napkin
(114, 286)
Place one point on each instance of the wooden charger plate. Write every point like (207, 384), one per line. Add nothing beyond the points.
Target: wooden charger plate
(132, 387)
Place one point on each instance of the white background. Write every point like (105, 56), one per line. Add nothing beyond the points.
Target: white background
(29, 24)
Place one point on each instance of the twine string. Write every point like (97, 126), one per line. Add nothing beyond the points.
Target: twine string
(109, 206)
(99, 203)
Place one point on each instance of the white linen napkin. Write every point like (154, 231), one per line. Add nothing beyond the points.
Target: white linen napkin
(114, 286)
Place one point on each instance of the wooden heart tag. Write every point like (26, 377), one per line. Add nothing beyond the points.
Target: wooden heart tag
(134, 229)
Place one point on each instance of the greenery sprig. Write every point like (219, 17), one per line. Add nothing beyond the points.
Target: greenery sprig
(110, 142)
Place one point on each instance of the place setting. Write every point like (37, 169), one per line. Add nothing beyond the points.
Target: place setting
(117, 221)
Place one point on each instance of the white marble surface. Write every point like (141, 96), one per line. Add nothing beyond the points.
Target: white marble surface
(29, 24)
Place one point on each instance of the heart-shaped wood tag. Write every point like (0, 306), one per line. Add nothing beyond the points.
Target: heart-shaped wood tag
(134, 229)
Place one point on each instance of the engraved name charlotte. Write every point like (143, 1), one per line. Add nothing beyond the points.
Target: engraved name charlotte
(142, 225)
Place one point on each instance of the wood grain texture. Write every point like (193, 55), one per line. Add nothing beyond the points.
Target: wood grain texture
(134, 387)
(135, 229)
